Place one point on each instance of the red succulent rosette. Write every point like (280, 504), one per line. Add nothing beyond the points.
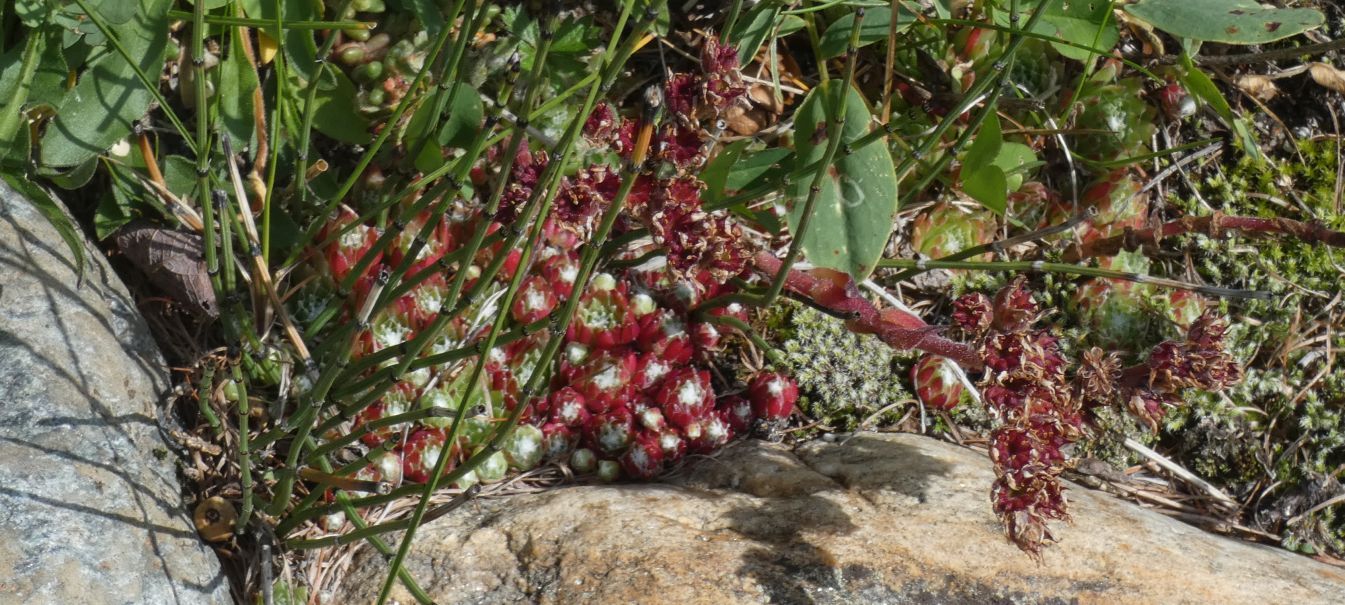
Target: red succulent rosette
(604, 319)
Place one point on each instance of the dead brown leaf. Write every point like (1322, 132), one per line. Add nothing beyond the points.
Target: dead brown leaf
(1261, 87)
(1328, 76)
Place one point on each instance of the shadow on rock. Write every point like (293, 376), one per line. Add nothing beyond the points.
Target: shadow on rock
(791, 565)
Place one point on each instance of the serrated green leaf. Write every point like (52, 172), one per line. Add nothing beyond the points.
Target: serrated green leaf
(875, 27)
(1226, 21)
(101, 109)
(858, 198)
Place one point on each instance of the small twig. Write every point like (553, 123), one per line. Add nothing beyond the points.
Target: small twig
(1260, 57)
(1214, 226)
(1180, 471)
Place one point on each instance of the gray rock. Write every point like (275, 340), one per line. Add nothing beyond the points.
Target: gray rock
(90, 507)
(878, 519)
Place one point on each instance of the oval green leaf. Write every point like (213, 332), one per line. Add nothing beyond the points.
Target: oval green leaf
(1226, 21)
(876, 26)
(858, 201)
(109, 98)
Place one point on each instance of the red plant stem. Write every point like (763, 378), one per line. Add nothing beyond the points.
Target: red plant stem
(837, 292)
(1214, 225)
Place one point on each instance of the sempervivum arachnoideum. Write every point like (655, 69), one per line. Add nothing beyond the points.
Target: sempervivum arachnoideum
(709, 432)
(606, 380)
(568, 407)
(398, 400)
(390, 327)
(349, 247)
(664, 334)
(535, 300)
(610, 432)
(773, 395)
(644, 458)
(685, 396)
(650, 369)
(525, 447)
(605, 318)
(560, 270)
(936, 383)
(421, 453)
(435, 246)
(738, 411)
(558, 441)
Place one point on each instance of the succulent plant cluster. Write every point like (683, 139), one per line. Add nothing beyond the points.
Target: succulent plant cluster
(1043, 407)
(632, 392)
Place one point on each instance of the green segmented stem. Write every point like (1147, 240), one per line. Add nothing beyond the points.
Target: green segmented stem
(382, 547)
(1068, 269)
(373, 425)
(244, 455)
(205, 390)
(451, 302)
(547, 182)
(447, 89)
(203, 147)
(311, 110)
(1004, 244)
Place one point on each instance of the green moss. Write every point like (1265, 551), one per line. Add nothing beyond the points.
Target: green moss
(1278, 438)
(844, 378)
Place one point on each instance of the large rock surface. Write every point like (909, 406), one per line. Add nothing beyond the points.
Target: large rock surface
(90, 509)
(878, 519)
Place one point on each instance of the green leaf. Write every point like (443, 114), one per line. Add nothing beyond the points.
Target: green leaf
(179, 173)
(301, 51)
(716, 171)
(877, 22)
(1202, 87)
(53, 212)
(237, 84)
(335, 114)
(762, 23)
(427, 11)
(116, 207)
(985, 146)
(75, 177)
(108, 99)
(858, 198)
(1074, 21)
(1226, 21)
(989, 186)
(465, 116)
(1015, 159)
(33, 13)
(115, 12)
